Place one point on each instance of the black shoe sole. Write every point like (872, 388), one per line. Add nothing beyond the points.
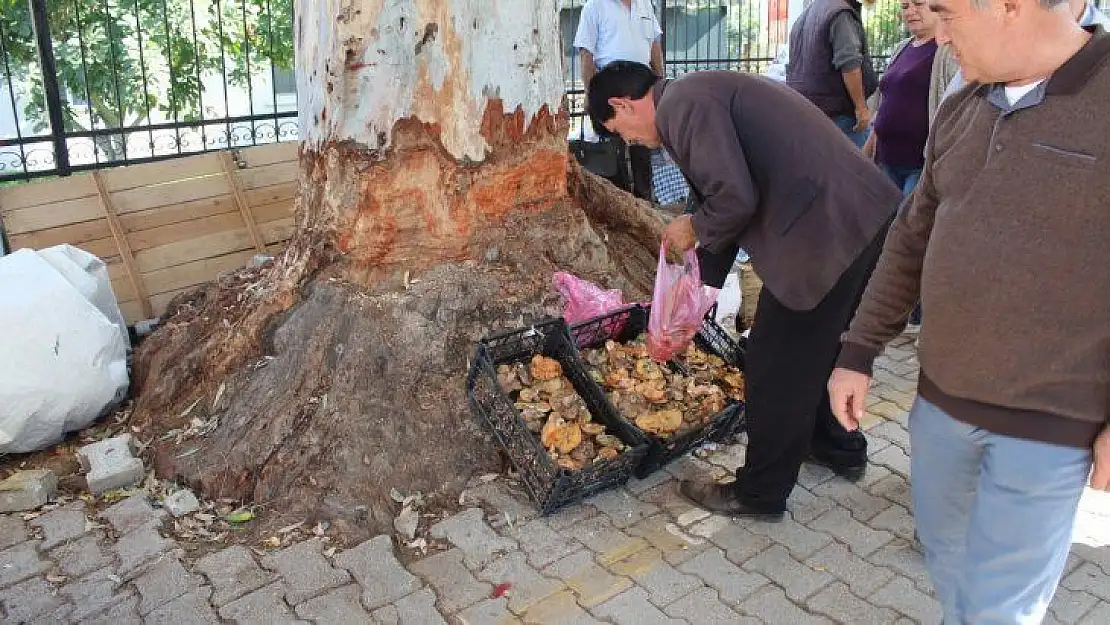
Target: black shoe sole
(852, 473)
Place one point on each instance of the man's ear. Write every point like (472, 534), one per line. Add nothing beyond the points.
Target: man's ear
(619, 104)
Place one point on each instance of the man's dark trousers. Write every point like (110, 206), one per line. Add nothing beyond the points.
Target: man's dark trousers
(789, 359)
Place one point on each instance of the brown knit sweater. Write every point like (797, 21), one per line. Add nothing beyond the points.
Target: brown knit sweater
(1007, 242)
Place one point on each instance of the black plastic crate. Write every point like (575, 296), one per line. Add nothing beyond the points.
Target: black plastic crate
(549, 485)
(628, 323)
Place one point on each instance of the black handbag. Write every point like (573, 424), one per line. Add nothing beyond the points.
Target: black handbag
(602, 158)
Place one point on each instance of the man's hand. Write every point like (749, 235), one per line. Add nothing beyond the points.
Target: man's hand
(848, 396)
(1100, 479)
(679, 234)
(863, 119)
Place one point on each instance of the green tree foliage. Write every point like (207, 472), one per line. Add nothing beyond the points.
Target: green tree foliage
(136, 61)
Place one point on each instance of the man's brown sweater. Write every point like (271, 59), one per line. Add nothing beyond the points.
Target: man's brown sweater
(1007, 241)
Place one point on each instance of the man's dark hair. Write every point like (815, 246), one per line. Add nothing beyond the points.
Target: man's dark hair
(619, 79)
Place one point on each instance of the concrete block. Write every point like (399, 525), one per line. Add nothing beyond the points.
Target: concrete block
(181, 503)
(110, 465)
(27, 490)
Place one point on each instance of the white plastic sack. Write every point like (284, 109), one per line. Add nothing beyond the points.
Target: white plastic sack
(63, 346)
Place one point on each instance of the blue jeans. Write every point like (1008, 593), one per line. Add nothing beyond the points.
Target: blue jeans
(846, 123)
(905, 178)
(995, 515)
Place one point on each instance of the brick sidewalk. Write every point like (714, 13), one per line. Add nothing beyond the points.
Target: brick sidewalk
(639, 555)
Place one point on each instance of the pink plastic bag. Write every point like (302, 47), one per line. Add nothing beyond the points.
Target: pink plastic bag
(678, 307)
(585, 300)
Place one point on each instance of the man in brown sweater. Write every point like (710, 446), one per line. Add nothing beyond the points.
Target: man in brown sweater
(1006, 241)
(772, 174)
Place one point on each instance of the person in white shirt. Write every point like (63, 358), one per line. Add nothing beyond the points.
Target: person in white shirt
(621, 30)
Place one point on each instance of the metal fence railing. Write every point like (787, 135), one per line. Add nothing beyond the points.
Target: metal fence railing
(94, 83)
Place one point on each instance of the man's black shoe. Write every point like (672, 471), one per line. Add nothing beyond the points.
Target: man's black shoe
(851, 469)
(722, 499)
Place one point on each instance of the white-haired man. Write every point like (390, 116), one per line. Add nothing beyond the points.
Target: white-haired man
(1005, 241)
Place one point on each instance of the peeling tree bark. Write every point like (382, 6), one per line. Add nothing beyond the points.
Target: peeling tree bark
(436, 201)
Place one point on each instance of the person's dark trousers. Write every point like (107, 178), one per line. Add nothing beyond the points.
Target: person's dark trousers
(636, 158)
(789, 359)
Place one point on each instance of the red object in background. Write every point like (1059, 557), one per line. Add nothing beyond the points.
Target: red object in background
(500, 590)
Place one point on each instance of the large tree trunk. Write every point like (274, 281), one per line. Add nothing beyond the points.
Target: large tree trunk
(436, 201)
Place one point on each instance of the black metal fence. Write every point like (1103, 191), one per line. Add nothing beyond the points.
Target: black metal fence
(94, 83)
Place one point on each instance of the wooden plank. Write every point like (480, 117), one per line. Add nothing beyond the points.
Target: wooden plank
(271, 153)
(279, 230)
(46, 216)
(121, 242)
(160, 172)
(231, 170)
(267, 175)
(189, 250)
(166, 215)
(146, 198)
(46, 192)
(196, 272)
(232, 220)
(103, 248)
(272, 193)
(74, 234)
(132, 312)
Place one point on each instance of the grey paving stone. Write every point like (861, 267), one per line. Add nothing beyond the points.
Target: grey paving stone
(27, 490)
(732, 583)
(61, 525)
(122, 612)
(12, 530)
(593, 584)
(528, 587)
(895, 488)
(415, 609)
(704, 608)
(82, 555)
(305, 570)
(543, 544)
(1069, 606)
(862, 539)
(58, 615)
(728, 457)
(94, 593)
(875, 443)
(798, 580)
(895, 459)
(667, 497)
(770, 605)
(902, 595)
(339, 607)
(599, 535)
(559, 609)
(469, 532)
(900, 557)
(163, 582)
(265, 606)
(1099, 615)
(233, 573)
(622, 507)
(676, 545)
(132, 513)
(1089, 578)
(799, 539)
(28, 599)
(139, 547)
(654, 479)
(570, 515)
(488, 612)
(739, 543)
(190, 608)
(861, 576)
(813, 475)
(456, 586)
(377, 570)
(863, 505)
(894, 433)
(710, 526)
(838, 603)
(21, 562)
(663, 583)
(109, 464)
(632, 607)
(896, 520)
(506, 500)
(805, 506)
